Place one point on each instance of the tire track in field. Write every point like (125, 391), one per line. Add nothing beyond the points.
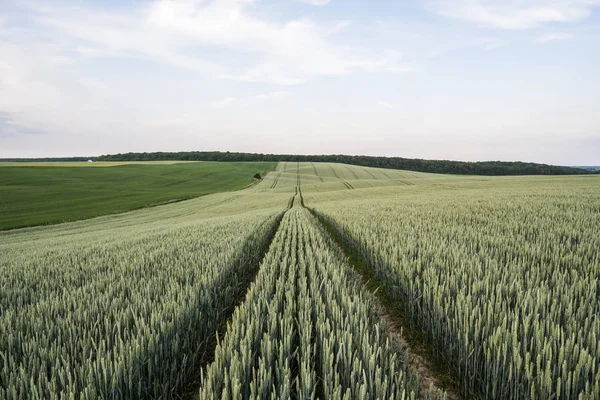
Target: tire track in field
(316, 173)
(407, 183)
(190, 391)
(299, 190)
(419, 357)
(275, 181)
(389, 315)
(295, 361)
(333, 171)
(227, 200)
(386, 312)
(386, 175)
(394, 331)
(352, 172)
(369, 172)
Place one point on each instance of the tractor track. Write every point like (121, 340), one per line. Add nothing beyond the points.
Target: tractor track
(190, 391)
(390, 316)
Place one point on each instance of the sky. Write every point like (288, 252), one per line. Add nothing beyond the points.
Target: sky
(469, 80)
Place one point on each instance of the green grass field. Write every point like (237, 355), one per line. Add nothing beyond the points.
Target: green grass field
(45, 193)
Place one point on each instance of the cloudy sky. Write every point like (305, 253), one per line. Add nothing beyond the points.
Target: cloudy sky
(451, 79)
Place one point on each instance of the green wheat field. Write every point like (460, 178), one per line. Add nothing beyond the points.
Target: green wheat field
(45, 193)
(319, 281)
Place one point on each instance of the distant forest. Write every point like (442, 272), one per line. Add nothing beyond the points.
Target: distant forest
(590, 168)
(411, 164)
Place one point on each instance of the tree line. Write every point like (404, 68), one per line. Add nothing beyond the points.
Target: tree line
(411, 164)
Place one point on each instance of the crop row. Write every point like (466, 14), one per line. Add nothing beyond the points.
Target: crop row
(503, 286)
(306, 330)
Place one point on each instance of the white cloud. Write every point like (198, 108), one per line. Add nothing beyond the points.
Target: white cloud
(46, 80)
(38, 89)
(553, 37)
(277, 52)
(271, 95)
(316, 2)
(230, 101)
(338, 27)
(513, 14)
(224, 103)
(170, 123)
(385, 104)
(99, 34)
